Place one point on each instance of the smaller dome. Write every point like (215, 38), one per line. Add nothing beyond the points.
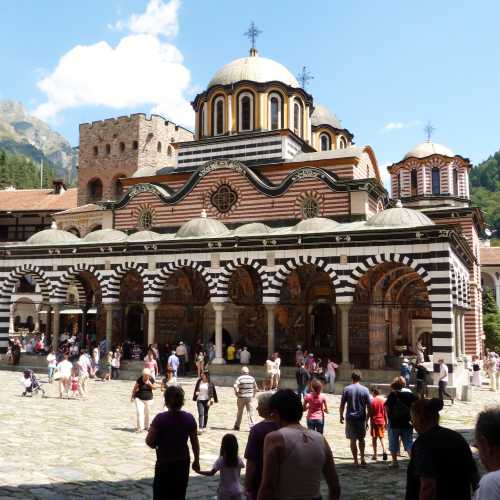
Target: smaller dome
(105, 236)
(53, 237)
(399, 217)
(323, 116)
(315, 225)
(201, 227)
(147, 171)
(252, 228)
(428, 149)
(144, 236)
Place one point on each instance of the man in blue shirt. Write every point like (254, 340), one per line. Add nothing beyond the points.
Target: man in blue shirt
(173, 365)
(357, 399)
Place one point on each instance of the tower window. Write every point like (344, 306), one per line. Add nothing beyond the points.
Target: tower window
(297, 118)
(203, 119)
(219, 116)
(455, 182)
(414, 182)
(326, 142)
(122, 147)
(436, 181)
(158, 147)
(108, 149)
(94, 190)
(245, 111)
(135, 145)
(169, 151)
(275, 112)
(96, 150)
(342, 143)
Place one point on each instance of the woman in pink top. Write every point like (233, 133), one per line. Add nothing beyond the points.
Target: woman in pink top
(150, 363)
(315, 404)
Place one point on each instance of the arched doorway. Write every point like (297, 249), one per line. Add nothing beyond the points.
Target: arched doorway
(306, 313)
(391, 305)
(180, 314)
(132, 310)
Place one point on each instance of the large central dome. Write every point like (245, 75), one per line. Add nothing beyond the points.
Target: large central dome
(253, 68)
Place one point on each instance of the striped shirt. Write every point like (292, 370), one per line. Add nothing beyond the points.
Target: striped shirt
(245, 386)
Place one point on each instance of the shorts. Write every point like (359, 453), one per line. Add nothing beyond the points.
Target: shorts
(355, 429)
(406, 436)
(377, 430)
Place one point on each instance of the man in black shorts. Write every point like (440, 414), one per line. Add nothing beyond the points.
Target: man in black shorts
(357, 399)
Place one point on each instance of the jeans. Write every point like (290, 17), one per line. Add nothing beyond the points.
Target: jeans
(244, 403)
(115, 372)
(406, 436)
(51, 373)
(316, 425)
(442, 390)
(302, 390)
(143, 408)
(203, 407)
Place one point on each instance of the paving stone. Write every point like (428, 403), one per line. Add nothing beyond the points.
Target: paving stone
(64, 449)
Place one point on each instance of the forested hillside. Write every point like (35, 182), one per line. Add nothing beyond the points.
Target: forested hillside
(22, 173)
(485, 190)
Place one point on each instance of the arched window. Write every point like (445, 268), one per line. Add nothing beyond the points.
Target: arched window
(275, 114)
(122, 147)
(96, 150)
(325, 142)
(169, 151)
(94, 190)
(455, 182)
(436, 181)
(108, 149)
(74, 231)
(297, 118)
(413, 182)
(135, 145)
(118, 186)
(218, 119)
(342, 143)
(245, 111)
(203, 120)
(158, 147)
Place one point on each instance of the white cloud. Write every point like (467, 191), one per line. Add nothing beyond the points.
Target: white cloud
(142, 70)
(391, 126)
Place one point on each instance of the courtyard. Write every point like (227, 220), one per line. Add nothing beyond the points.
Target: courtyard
(61, 449)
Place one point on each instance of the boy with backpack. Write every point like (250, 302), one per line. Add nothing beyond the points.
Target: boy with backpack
(398, 406)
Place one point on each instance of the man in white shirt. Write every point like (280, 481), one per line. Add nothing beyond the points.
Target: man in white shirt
(64, 368)
(487, 441)
(277, 370)
(245, 388)
(443, 381)
(84, 368)
(245, 356)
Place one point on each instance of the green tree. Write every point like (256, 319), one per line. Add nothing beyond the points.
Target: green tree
(22, 172)
(491, 321)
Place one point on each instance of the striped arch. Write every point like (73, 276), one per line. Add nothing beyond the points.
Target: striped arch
(112, 292)
(370, 262)
(284, 271)
(40, 277)
(158, 284)
(69, 276)
(231, 266)
(454, 285)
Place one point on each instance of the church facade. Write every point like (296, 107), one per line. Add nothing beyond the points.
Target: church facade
(268, 228)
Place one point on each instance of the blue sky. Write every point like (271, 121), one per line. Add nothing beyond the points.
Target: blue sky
(385, 67)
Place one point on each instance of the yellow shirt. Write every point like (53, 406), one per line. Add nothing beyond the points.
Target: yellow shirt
(230, 353)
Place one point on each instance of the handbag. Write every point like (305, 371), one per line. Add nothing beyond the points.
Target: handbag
(57, 375)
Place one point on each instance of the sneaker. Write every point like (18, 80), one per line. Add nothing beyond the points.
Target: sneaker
(236, 428)
(384, 456)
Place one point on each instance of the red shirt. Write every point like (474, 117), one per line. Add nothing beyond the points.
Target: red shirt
(315, 408)
(378, 410)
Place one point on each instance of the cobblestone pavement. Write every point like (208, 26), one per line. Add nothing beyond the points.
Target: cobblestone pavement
(60, 449)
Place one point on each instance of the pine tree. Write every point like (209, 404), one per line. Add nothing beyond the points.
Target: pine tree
(491, 321)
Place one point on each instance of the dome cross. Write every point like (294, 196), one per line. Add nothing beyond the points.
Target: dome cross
(304, 77)
(429, 130)
(252, 33)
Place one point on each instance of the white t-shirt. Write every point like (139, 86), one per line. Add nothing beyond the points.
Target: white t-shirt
(65, 368)
(489, 486)
(229, 477)
(84, 365)
(52, 360)
(203, 391)
(443, 373)
(245, 357)
(270, 367)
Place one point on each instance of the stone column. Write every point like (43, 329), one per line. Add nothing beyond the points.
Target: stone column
(456, 330)
(230, 114)
(83, 333)
(38, 307)
(462, 329)
(290, 113)
(109, 324)
(12, 311)
(219, 358)
(56, 308)
(270, 308)
(344, 333)
(151, 322)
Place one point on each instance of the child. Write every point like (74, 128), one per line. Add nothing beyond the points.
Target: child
(315, 404)
(107, 366)
(74, 382)
(229, 465)
(115, 365)
(378, 422)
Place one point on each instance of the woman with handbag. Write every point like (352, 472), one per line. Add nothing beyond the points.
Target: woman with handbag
(205, 396)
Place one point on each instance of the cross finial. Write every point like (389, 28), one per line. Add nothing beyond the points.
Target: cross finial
(252, 33)
(429, 130)
(304, 77)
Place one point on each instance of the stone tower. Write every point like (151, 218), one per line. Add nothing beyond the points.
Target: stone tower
(115, 148)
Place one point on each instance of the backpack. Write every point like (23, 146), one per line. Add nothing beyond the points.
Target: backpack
(399, 410)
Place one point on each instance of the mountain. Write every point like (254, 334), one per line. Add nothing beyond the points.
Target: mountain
(485, 190)
(26, 135)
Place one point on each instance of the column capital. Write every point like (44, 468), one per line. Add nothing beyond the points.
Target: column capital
(270, 307)
(152, 306)
(345, 306)
(111, 306)
(219, 306)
